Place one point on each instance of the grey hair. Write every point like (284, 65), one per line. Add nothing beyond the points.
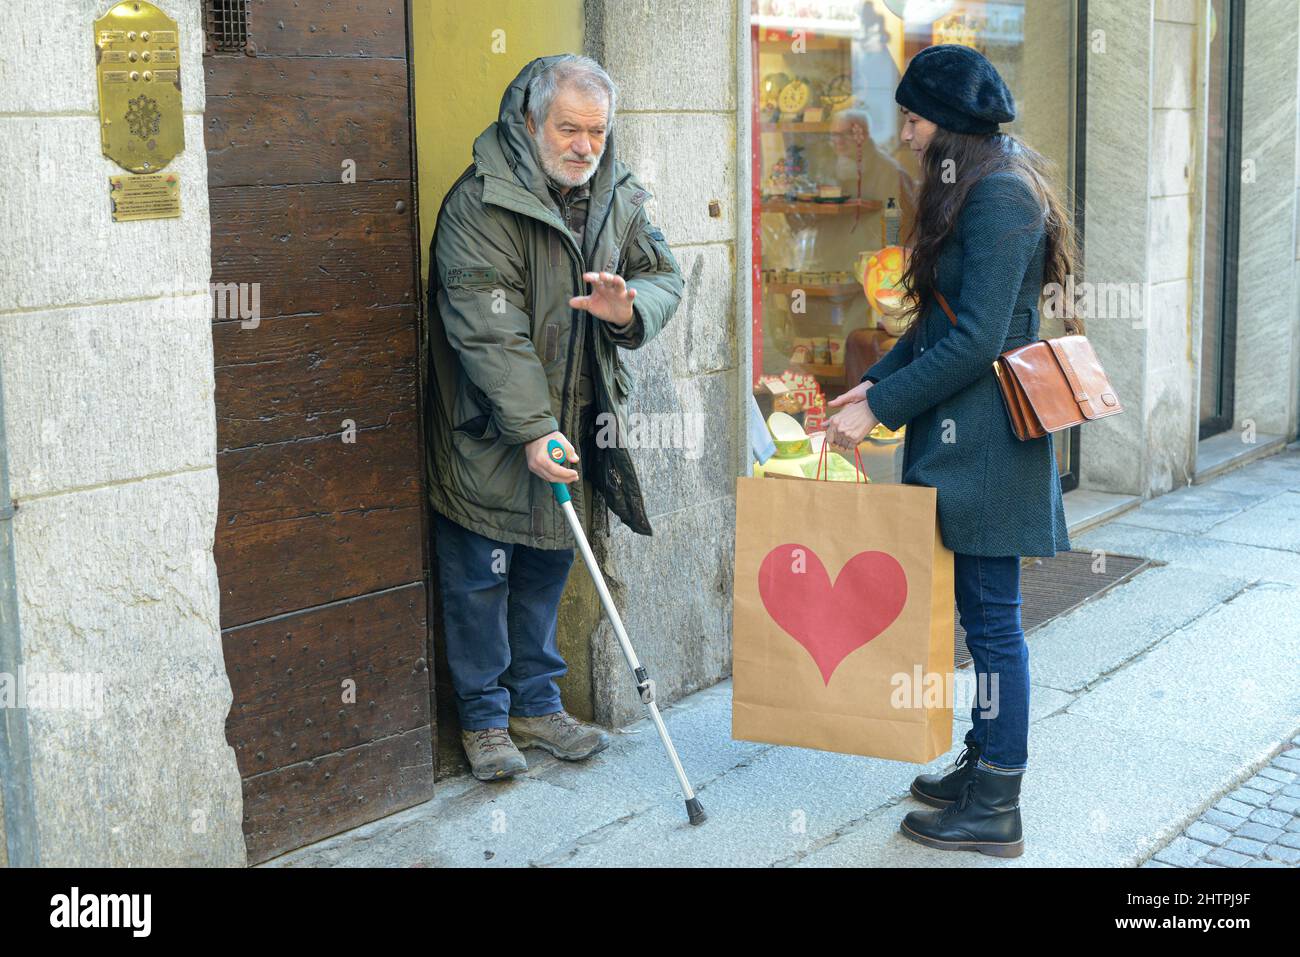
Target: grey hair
(580, 72)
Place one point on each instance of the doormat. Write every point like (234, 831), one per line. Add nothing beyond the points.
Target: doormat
(1050, 587)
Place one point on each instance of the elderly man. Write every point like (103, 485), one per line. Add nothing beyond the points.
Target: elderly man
(544, 265)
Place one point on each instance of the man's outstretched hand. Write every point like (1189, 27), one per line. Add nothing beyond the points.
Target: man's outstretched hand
(610, 298)
(543, 466)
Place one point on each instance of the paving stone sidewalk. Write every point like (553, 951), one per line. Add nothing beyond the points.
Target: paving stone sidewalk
(1149, 704)
(1255, 825)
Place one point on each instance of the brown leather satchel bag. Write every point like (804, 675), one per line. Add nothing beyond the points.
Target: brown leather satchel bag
(1051, 384)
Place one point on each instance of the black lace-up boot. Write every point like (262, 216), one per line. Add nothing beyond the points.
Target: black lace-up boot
(941, 790)
(985, 818)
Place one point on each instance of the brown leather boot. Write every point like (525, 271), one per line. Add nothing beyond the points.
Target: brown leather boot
(559, 733)
(492, 755)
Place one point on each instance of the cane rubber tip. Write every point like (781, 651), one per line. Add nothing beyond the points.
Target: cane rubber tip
(695, 811)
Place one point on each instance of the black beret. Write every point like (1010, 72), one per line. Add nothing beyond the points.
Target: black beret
(956, 88)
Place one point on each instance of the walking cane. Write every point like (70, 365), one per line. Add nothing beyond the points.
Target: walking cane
(645, 685)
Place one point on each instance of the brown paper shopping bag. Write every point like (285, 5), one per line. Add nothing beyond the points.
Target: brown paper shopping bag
(842, 628)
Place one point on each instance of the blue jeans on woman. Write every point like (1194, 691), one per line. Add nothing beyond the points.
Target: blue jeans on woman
(988, 600)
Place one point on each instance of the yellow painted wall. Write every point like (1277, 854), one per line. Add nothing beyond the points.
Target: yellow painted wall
(459, 72)
(461, 67)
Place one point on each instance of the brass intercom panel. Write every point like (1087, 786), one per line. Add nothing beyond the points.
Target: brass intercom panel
(138, 65)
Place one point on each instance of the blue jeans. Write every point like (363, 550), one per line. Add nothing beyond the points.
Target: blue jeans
(499, 603)
(988, 599)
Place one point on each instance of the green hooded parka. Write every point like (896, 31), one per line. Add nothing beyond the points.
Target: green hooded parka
(504, 346)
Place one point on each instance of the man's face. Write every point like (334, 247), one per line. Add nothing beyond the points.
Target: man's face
(572, 138)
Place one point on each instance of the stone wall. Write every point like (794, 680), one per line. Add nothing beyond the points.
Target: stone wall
(1169, 386)
(108, 394)
(677, 65)
(1145, 196)
(1116, 184)
(1268, 322)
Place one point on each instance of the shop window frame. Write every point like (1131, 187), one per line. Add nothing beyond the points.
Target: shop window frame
(1069, 478)
(1229, 226)
(1079, 178)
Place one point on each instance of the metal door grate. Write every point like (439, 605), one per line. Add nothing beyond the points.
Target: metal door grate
(225, 23)
(1049, 587)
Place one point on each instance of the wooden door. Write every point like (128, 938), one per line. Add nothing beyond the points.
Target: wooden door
(321, 529)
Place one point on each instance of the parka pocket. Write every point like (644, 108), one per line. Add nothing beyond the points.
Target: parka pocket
(550, 341)
(487, 471)
(477, 427)
(623, 381)
(471, 414)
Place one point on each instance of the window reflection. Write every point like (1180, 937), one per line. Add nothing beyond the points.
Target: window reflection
(835, 187)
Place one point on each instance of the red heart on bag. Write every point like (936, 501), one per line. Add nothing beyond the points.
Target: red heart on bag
(831, 621)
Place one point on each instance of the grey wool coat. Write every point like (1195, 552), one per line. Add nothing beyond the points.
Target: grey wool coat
(997, 495)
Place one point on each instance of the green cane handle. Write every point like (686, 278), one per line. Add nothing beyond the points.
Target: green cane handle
(556, 453)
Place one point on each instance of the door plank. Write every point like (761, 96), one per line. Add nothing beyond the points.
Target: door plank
(290, 677)
(311, 800)
(281, 121)
(315, 248)
(340, 28)
(298, 377)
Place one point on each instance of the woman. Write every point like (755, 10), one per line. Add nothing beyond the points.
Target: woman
(989, 233)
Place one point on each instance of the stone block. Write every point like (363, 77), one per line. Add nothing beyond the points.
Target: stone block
(118, 583)
(74, 419)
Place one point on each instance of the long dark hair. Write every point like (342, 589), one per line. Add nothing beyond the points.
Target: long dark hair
(974, 156)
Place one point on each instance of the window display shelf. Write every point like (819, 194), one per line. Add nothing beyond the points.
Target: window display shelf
(835, 189)
(837, 290)
(786, 33)
(791, 127)
(829, 375)
(804, 207)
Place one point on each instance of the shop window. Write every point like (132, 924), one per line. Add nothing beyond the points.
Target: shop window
(835, 188)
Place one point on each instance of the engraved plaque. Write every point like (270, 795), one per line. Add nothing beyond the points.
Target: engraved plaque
(152, 196)
(140, 119)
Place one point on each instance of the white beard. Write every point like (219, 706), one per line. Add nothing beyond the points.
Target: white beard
(553, 164)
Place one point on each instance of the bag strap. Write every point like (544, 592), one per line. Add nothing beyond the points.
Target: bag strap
(952, 317)
(1080, 393)
(1076, 385)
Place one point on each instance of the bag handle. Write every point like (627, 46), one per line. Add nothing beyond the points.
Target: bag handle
(858, 470)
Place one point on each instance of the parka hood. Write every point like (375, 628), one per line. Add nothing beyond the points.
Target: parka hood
(508, 140)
